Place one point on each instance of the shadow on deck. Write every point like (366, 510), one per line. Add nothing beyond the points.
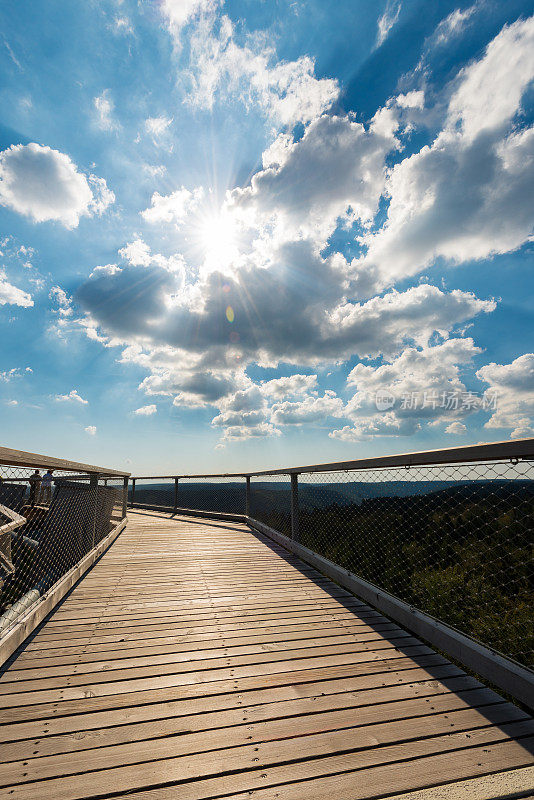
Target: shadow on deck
(198, 660)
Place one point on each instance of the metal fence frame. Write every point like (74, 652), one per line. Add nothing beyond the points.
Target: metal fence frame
(33, 615)
(513, 678)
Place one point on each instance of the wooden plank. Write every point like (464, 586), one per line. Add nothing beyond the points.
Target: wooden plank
(197, 661)
(358, 676)
(361, 729)
(121, 725)
(177, 663)
(154, 773)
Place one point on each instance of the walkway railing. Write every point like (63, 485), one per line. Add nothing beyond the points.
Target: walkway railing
(56, 517)
(438, 540)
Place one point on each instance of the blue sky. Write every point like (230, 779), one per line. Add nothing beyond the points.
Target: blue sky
(240, 234)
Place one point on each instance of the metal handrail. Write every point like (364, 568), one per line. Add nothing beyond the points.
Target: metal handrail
(522, 449)
(22, 458)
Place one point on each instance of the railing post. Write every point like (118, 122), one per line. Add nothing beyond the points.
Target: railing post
(294, 506)
(132, 501)
(93, 484)
(124, 497)
(247, 496)
(175, 496)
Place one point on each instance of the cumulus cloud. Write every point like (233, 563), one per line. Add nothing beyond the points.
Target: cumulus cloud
(489, 91)
(91, 430)
(12, 295)
(422, 385)
(280, 388)
(72, 396)
(512, 385)
(456, 428)
(174, 207)
(309, 410)
(145, 411)
(307, 185)
(45, 184)
(376, 425)
(466, 196)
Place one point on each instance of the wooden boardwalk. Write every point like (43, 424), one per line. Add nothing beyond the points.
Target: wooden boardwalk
(199, 660)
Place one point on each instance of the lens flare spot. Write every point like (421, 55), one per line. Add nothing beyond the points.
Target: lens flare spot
(230, 313)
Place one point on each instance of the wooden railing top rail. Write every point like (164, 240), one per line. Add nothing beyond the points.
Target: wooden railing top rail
(495, 451)
(21, 458)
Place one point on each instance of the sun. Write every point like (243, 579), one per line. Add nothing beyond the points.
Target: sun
(218, 240)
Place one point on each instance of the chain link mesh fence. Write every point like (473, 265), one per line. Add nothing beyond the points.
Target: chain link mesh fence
(455, 541)
(270, 502)
(49, 520)
(219, 495)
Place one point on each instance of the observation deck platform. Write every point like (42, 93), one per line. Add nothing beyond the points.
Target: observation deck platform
(198, 659)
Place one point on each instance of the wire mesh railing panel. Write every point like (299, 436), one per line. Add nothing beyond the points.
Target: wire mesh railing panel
(114, 494)
(218, 495)
(157, 492)
(57, 517)
(454, 541)
(270, 502)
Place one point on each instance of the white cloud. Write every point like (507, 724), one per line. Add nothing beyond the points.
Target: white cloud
(466, 196)
(12, 402)
(280, 388)
(158, 128)
(104, 107)
(72, 396)
(12, 295)
(423, 386)
(512, 385)
(15, 372)
(489, 90)
(338, 164)
(309, 410)
(91, 430)
(145, 411)
(174, 207)
(387, 20)
(236, 432)
(452, 25)
(414, 99)
(45, 184)
(288, 92)
(387, 424)
(137, 253)
(180, 12)
(456, 428)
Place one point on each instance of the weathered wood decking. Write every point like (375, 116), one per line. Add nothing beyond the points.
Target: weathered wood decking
(199, 660)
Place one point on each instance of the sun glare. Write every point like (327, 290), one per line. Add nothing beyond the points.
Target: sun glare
(218, 240)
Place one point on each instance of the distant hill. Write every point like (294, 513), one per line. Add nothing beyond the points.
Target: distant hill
(275, 495)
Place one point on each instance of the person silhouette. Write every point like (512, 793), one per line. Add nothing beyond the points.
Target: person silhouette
(35, 483)
(46, 487)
